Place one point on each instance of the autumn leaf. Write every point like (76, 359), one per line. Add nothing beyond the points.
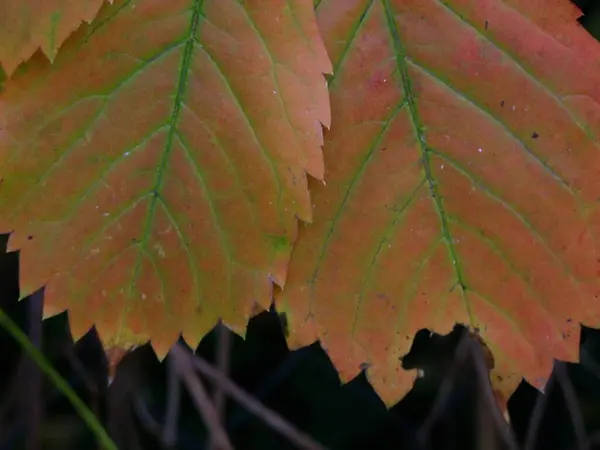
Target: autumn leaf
(154, 173)
(462, 186)
(26, 25)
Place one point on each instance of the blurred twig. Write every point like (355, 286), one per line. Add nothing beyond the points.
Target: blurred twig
(469, 348)
(31, 406)
(488, 401)
(270, 417)
(183, 360)
(169, 435)
(559, 377)
(537, 416)
(150, 424)
(223, 354)
(35, 354)
(573, 407)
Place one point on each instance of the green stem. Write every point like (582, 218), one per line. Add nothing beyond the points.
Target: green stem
(61, 384)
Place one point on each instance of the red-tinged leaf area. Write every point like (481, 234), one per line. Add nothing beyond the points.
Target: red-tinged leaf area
(154, 174)
(29, 25)
(462, 186)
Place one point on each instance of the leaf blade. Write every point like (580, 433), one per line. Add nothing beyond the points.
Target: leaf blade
(145, 173)
(28, 25)
(444, 203)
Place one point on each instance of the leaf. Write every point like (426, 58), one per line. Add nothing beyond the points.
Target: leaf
(462, 186)
(27, 25)
(155, 172)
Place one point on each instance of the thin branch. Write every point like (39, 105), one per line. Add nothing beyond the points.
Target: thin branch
(276, 378)
(145, 417)
(537, 416)
(223, 352)
(88, 382)
(445, 390)
(169, 436)
(271, 418)
(199, 396)
(84, 412)
(489, 401)
(594, 440)
(572, 406)
(469, 347)
(31, 402)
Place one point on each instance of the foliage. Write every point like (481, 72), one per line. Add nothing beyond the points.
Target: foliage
(113, 205)
(443, 410)
(31, 24)
(154, 173)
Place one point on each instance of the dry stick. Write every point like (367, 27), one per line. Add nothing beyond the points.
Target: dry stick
(590, 364)
(594, 440)
(445, 390)
(466, 347)
(199, 396)
(484, 432)
(224, 350)
(536, 417)
(173, 403)
(573, 407)
(61, 384)
(69, 353)
(593, 367)
(489, 401)
(271, 418)
(145, 417)
(32, 402)
(80, 370)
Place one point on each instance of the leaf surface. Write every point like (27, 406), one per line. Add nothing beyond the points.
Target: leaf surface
(462, 186)
(26, 25)
(155, 172)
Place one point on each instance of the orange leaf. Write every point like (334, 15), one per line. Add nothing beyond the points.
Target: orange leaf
(462, 186)
(155, 172)
(26, 25)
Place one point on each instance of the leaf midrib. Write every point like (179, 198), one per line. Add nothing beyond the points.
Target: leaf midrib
(402, 67)
(163, 163)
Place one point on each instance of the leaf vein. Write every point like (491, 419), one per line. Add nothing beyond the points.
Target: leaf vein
(230, 165)
(420, 134)
(534, 157)
(496, 197)
(353, 35)
(182, 238)
(251, 128)
(386, 236)
(347, 196)
(62, 155)
(518, 64)
(213, 210)
(410, 291)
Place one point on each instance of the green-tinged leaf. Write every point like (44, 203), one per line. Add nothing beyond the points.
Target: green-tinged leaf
(155, 172)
